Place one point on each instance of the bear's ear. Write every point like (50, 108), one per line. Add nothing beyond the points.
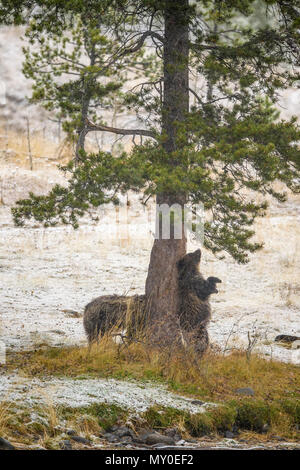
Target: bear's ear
(213, 279)
(197, 255)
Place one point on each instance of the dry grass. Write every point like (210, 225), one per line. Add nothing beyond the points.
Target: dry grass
(4, 417)
(290, 294)
(215, 377)
(14, 149)
(47, 431)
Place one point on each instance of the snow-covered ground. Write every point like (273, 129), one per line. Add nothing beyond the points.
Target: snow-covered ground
(77, 393)
(46, 271)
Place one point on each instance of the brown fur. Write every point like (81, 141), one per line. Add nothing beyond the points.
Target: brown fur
(194, 293)
(113, 312)
(108, 312)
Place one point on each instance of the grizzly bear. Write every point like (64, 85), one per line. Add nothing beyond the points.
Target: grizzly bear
(111, 312)
(106, 313)
(194, 307)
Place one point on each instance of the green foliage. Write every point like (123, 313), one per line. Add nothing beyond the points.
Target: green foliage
(253, 415)
(292, 408)
(107, 415)
(229, 148)
(70, 73)
(246, 415)
(96, 181)
(158, 417)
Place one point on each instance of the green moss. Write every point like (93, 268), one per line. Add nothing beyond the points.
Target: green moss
(218, 419)
(200, 424)
(107, 415)
(249, 415)
(223, 418)
(292, 408)
(158, 417)
(253, 415)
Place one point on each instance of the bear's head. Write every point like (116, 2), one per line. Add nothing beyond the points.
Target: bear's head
(189, 264)
(212, 281)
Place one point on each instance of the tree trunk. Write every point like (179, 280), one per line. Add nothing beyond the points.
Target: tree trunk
(82, 132)
(161, 283)
(87, 86)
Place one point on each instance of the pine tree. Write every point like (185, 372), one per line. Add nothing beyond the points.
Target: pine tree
(222, 151)
(70, 73)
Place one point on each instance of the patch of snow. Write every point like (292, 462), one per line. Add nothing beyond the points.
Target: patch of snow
(77, 393)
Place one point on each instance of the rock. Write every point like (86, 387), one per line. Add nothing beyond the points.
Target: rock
(265, 428)
(286, 338)
(235, 430)
(65, 445)
(174, 434)
(248, 391)
(181, 442)
(197, 402)
(141, 435)
(296, 344)
(80, 440)
(157, 438)
(110, 437)
(138, 440)
(5, 445)
(113, 428)
(124, 431)
(126, 440)
(229, 435)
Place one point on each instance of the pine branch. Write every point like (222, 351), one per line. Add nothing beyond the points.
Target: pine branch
(142, 40)
(99, 127)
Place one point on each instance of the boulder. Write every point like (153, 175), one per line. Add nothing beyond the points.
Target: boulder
(5, 445)
(80, 440)
(157, 438)
(65, 445)
(247, 391)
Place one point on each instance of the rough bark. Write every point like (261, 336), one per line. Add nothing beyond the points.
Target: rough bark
(85, 107)
(161, 283)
